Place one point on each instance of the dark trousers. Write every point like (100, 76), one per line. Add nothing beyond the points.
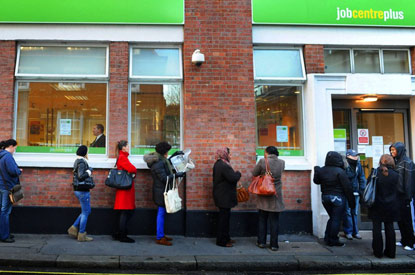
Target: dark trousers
(377, 241)
(222, 236)
(123, 218)
(263, 218)
(405, 226)
(335, 207)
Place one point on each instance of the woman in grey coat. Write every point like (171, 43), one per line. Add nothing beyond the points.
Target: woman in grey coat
(269, 207)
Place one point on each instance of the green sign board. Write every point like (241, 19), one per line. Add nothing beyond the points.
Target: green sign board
(384, 13)
(339, 134)
(93, 11)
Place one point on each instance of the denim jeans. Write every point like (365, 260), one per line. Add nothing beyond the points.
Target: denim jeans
(6, 209)
(84, 199)
(161, 214)
(350, 225)
(335, 206)
(263, 218)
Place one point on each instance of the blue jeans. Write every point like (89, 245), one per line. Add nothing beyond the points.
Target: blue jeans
(6, 209)
(334, 205)
(84, 199)
(350, 225)
(161, 214)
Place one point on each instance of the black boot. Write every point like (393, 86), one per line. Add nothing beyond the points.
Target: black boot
(125, 239)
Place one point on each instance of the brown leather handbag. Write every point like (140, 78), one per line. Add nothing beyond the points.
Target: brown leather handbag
(264, 184)
(242, 194)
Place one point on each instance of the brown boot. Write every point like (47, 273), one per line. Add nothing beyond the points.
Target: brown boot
(163, 241)
(73, 231)
(168, 238)
(82, 237)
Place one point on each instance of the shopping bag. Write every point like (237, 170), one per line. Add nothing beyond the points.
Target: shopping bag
(172, 199)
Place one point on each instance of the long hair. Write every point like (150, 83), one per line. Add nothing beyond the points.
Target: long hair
(119, 145)
(7, 143)
(386, 161)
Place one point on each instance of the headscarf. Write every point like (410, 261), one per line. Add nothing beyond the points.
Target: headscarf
(223, 154)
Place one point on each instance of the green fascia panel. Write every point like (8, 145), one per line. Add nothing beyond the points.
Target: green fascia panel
(56, 150)
(284, 153)
(376, 13)
(93, 11)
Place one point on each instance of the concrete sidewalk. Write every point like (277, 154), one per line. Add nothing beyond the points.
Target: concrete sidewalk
(297, 252)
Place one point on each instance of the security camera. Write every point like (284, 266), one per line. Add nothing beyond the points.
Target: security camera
(198, 58)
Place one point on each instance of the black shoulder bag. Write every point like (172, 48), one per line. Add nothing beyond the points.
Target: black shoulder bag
(119, 179)
(16, 193)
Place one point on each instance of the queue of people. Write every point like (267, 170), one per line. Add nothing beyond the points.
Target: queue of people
(341, 178)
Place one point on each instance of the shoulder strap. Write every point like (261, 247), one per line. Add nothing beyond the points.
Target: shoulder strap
(267, 166)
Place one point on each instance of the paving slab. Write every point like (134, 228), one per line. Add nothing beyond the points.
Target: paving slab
(247, 263)
(158, 262)
(333, 263)
(76, 261)
(29, 260)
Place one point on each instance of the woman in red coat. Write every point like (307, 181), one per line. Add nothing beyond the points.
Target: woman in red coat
(124, 199)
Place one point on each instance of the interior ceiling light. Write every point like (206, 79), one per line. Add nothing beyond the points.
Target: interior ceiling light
(370, 98)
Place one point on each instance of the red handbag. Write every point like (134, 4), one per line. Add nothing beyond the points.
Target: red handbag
(264, 184)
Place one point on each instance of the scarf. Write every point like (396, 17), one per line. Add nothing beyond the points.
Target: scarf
(167, 162)
(223, 154)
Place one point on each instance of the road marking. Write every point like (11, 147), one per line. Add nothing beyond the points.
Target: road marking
(70, 273)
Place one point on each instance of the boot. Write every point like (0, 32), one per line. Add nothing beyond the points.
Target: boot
(82, 237)
(73, 231)
(163, 241)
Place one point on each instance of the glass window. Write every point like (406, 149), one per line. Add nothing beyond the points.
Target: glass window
(155, 116)
(366, 61)
(152, 63)
(278, 64)
(395, 61)
(279, 119)
(337, 61)
(57, 117)
(61, 61)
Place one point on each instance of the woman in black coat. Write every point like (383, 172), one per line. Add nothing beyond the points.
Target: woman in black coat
(224, 194)
(386, 208)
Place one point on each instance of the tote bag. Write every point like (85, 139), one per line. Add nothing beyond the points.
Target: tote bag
(172, 199)
(369, 194)
(119, 179)
(264, 184)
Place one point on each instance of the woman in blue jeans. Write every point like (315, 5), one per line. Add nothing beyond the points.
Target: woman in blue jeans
(335, 188)
(82, 183)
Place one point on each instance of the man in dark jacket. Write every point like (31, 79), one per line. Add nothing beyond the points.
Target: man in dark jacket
(357, 178)
(335, 188)
(406, 169)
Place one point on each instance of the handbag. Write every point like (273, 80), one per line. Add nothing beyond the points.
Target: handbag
(242, 194)
(264, 184)
(172, 199)
(119, 179)
(84, 185)
(369, 194)
(16, 193)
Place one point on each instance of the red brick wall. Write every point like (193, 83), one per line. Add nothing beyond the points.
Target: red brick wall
(118, 95)
(314, 59)
(413, 60)
(219, 103)
(7, 64)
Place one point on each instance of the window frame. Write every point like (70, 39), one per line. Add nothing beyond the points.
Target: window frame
(263, 79)
(62, 76)
(381, 59)
(155, 78)
(303, 121)
(16, 102)
(130, 110)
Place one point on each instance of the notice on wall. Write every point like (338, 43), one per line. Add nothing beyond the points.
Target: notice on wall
(65, 127)
(361, 149)
(282, 133)
(377, 151)
(377, 140)
(363, 136)
(340, 140)
(369, 151)
(386, 149)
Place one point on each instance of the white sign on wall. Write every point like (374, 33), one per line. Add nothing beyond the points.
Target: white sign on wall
(282, 133)
(65, 127)
(363, 136)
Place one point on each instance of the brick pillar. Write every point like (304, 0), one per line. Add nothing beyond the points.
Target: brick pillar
(314, 59)
(118, 95)
(219, 103)
(412, 52)
(7, 63)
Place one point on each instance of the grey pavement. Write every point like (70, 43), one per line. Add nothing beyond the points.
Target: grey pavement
(296, 253)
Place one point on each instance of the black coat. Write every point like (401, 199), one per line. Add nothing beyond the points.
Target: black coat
(387, 205)
(333, 178)
(224, 185)
(160, 172)
(406, 169)
(82, 181)
(99, 142)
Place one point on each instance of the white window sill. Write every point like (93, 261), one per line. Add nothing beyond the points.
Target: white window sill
(295, 163)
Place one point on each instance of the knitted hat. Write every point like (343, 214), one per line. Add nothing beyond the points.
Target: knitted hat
(82, 151)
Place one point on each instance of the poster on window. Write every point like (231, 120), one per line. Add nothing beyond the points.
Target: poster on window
(282, 133)
(363, 136)
(65, 127)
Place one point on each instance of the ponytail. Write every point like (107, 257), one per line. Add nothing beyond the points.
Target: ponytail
(119, 145)
(7, 143)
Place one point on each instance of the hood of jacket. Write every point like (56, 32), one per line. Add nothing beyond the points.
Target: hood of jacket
(151, 158)
(400, 150)
(334, 159)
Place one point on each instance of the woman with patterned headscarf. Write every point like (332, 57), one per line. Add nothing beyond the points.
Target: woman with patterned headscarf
(224, 194)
